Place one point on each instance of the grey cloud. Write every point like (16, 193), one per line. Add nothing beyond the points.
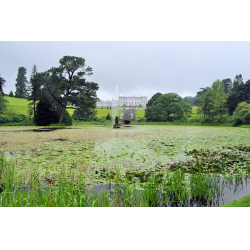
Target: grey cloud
(137, 68)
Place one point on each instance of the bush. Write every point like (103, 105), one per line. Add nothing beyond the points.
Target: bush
(193, 120)
(142, 119)
(241, 115)
(182, 120)
(102, 119)
(4, 119)
(11, 118)
(230, 119)
(108, 117)
(16, 118)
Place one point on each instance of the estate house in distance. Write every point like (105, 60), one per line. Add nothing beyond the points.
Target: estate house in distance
(130, 101)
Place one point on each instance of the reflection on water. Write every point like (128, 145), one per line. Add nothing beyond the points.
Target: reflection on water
(227, 191)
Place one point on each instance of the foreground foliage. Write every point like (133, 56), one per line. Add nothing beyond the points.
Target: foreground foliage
(242, 114)
(18, 190)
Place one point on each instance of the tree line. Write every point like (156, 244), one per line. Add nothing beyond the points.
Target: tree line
(214, 104)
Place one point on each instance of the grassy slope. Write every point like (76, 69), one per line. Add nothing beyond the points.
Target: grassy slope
(243, 202)
(104, 112)
(140, 113)
(21, 106)
(17, 105)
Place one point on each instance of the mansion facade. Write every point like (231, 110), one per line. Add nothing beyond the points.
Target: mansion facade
(127, 100)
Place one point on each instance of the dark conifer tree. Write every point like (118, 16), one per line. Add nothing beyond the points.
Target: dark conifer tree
(21, 81)
(2, 83)
(227, 85)
(45, 112)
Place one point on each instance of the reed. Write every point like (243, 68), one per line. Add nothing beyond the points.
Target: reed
(174, 189)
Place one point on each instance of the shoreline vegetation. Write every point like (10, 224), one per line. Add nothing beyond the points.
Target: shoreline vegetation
(26, 190)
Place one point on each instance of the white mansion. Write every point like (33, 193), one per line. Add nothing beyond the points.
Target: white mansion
(128, 100)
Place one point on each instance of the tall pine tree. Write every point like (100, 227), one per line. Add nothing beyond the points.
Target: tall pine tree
(227, 85)
(21, 81)
(2, 82)
(33, 89)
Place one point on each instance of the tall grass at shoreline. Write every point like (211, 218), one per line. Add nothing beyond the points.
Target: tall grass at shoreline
(27, 190)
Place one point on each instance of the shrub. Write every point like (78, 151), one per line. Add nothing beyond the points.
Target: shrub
(4, 119)
(193, 120)
(11, 118)
(45, 113)
(142, 119)
(108, 117)
(242, 114)
(16, 118)
(182, 120)
(230, 119)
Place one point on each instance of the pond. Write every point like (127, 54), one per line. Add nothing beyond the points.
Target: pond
(92, 149)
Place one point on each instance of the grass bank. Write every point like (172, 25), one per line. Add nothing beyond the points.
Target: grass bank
(243, 202)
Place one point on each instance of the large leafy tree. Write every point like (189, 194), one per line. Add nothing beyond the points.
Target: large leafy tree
(239, 93)
(86, 103)
(164, 106)
(153, 99)
(66, 82)
(214, 103)
(187, 108)
(2, 83)
(21, 81)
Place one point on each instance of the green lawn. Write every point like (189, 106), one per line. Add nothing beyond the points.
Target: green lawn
(17, 105)
(21, 106)
(243, 202)
(140, 113)
(105, 111)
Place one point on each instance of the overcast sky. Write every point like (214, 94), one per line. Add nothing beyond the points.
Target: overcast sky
(137, 68)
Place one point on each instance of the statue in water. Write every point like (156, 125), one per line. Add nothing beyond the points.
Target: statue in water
(116, 125)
